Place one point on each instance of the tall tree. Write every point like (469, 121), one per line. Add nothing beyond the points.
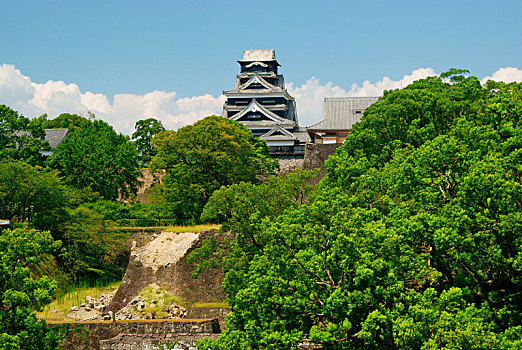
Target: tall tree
(93, 249)
(98, 157)
(146, 129)
(200, 158)
(20, 138)
(21, 294)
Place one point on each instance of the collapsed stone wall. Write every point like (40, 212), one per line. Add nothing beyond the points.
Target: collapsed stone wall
(163, 261)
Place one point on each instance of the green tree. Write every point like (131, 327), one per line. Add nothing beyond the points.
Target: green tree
(241, 207)
(92, 249)
(146, 129)
(98, 157)
(20, 138)
(412, 241)
(200, 158)
(31, 194)
(72, 122)
(21, 294)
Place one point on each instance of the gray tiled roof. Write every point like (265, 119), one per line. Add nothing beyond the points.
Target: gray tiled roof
(258, 55)
(339, 113)
(267, 123)
(277, 138)
(280, 134)
(255, 106)
(55, 136)
(302, 135)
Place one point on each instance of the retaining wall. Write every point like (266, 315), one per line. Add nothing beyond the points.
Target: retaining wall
(130, 334)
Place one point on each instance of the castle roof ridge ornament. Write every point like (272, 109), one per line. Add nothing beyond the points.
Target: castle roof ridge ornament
(259, 56)
(257, 63)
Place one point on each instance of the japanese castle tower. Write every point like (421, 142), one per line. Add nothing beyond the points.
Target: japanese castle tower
(261, 103)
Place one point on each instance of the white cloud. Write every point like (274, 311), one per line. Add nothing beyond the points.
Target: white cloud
(507, 75)
(309, 96)
(55, 97)
(14, 87)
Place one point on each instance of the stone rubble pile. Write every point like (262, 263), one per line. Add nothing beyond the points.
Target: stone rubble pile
(92, 308)
(138, 308)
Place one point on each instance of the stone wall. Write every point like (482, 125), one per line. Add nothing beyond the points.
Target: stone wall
(315, 156)
(151, 342)
(209, 312)
(148, 180)
(141, 237)
(289, 165)
(90, 335)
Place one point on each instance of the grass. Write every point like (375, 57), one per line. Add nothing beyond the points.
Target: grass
(194, 228)
(175, 229)
(159, 300)
(137, 228)
(222, 304)
(73, 297)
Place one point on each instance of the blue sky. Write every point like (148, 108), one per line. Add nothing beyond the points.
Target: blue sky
(191, 47)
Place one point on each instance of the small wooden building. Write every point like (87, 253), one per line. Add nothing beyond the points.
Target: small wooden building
(339, 115)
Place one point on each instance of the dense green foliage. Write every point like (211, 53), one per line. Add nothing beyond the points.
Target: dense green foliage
(241, 207)
(412, 241)
(200, 158)
(69, 121)
(31, 193)
(146, 129)
(93, 248)
(21, 294)
(21, 138)
(98, 157)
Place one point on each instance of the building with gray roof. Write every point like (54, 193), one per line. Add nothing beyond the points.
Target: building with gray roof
(339, 116)
(53, 136)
